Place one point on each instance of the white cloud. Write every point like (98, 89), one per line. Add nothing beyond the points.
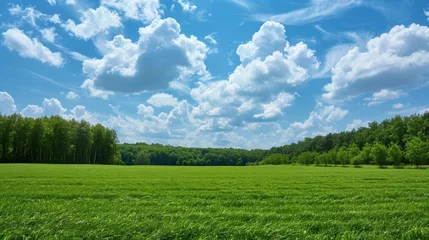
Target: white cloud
(383, 96)
(242, 3)
(270, 38)
(71, 2)
(161, 55)
(72, 96)
(16, 40)
(93, 22)
(392, 61)
(356, 124)
(145, 110)
(398, 106)
(186, 5)
(29, 14)
(143, 10)
(163, 100)
(7, 103)
(52, 2)
(210, 38)
(320, 122)
(88, 84)
(55, 19)
(32, 111)
(406, 111)
(318, 9)
(75, 55)
(256, 90)
(49, 107)
(48, 34)
(275, 108)
(80, 113)
(427, 14)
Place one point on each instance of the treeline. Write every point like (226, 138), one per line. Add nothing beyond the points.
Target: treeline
(55, 140)
(157, 154)
(396, 141)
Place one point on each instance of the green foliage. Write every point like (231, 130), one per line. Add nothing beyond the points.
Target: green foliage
(343, 156)
(143, 159)
(265, 202)
(379, 154)
(306, 158)
(55, 140)
(417, 151)
(275, 159)
(395, 154)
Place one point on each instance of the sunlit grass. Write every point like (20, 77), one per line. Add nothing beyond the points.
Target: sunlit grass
(279, 202)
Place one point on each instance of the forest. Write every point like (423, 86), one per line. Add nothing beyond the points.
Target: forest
(396, 141)
(55, 140)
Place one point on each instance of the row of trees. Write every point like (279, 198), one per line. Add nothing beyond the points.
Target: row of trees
(55, 140)
(395, 141)
(157, 154)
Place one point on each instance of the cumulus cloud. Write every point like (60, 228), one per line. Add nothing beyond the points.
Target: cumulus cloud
(427, 14)
(7, 103)
(320, 122)
(49, 107)
(93, 22)
(16, 40)
(356, 124)
(256, 90)
(275, 108)
(383, 96)
(394, 60)
(143, 10)
(52, 2)
(70, 2)
(270, 38)
(48, 34)
(161, 56)
(145, 110)
(162, 100)
(72, 96)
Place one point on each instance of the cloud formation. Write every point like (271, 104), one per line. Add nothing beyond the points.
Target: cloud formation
(16, 40)
(160, 56)
(7, 103)
(394, 60)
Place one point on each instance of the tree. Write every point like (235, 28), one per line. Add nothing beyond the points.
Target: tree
(143, 158)
(379, 154)
(275, 159)
(395, 154)
(417, 151)
(343, 156)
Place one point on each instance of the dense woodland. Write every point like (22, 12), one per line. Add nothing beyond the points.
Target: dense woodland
(396, 141)
(55, 140)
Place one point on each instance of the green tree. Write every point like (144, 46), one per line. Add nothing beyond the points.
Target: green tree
(395, 154)
(417, 151)
(143, 158)
(379, 154)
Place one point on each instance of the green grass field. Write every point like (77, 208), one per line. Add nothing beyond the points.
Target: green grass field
(263, 202)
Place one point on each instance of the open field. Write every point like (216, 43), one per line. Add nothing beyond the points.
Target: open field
(279, 202)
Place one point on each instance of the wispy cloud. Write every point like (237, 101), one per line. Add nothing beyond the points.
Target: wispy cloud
(50, 80)
(75, 55)
(242, 3)
(317, 10)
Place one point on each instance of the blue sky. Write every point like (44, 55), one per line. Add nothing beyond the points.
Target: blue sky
(224, 73)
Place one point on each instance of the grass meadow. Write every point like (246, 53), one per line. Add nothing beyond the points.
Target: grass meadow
(261, 202)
